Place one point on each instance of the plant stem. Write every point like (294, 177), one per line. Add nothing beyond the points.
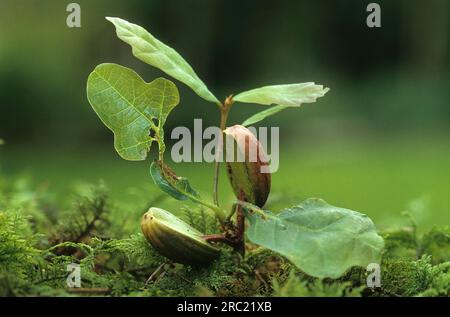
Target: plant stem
(172, 179)
(217, 237)
(240, 224)
(224, 111)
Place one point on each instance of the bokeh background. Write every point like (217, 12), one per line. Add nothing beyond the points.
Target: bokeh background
(378, 142)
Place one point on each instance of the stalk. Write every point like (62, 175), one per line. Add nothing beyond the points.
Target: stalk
(224, 111)
(240, 224)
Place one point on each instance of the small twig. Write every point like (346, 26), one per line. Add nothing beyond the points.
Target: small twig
(259, 277)
(156, 272)
(182, 277)
(160, 276)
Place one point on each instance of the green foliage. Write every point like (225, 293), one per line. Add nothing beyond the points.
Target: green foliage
(17, 251)
(179, 187)
(131, 108)
(179, 280)
(296, 287)
(320, 239)
(440, 284)
(153, 52)
(262, 266)
(437, 244)
(88, 217)
(406, 278)
(263, 114)
(282, 96)
(292, 95)
(134, 252)
(200, 220)
(401, 244)
(33, 262)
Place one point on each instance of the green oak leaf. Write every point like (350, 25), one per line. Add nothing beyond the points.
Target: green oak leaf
(150, 50)
(284, 95)
(263, 114)
(320, 239)
(131, 108)
(179, 187)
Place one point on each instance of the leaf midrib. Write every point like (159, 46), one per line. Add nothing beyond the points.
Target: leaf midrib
(123, 97)
(158, 50)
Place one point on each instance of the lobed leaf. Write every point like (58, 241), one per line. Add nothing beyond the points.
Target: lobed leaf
(150, 50)
(284, 95)
(130, 107)
(320, 239)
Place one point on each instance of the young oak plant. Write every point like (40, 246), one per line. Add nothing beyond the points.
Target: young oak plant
(320, 239)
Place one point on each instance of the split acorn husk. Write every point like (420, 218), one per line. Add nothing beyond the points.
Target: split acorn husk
(176, 239)
(250, 177)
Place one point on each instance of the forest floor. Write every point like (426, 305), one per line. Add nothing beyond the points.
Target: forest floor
(50, 218)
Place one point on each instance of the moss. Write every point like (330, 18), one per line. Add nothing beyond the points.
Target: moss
(356, 276)
(405, 278)
(201, 220)
(117, 262)
(437, 244)
(400, 244)
(252, 275)
(440, 284)
(295, 286)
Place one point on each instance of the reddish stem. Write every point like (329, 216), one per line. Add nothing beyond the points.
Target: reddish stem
(240, 223)
(216, 238)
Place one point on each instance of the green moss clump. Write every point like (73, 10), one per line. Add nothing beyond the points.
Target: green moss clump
(400, 244)
(440, 285)
(405, 278)
(437, 244)
(295, 286)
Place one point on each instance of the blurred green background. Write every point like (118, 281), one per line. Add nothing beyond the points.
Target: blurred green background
(378, 142)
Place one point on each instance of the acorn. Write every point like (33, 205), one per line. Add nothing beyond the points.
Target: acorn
(248, 169)
(175, 239)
